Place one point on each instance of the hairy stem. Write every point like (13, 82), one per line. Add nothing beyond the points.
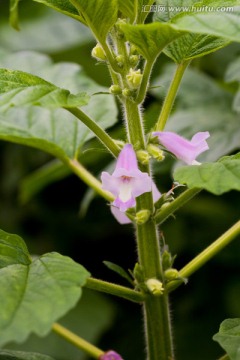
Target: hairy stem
(144, 83)
(171, 95)
(206, 255)
(113, 289)
(77, 341)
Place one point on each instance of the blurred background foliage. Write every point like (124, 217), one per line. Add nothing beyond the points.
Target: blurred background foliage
(46, 210)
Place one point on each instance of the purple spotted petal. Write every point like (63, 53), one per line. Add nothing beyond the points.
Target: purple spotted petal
(110, 355)
(183, 149)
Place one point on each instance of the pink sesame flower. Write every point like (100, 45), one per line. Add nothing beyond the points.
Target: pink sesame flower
(126, 182)
(183, 149)
(110, 355)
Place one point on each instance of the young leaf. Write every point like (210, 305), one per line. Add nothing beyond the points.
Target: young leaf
(126, 8)
(190, 45)
(229, 337)
(34, 295)
(99, 15)
(119, 270)
(18, 88)
(150, 39)
(20, 355)
(216, 178)
(144, 6)
(65, 7)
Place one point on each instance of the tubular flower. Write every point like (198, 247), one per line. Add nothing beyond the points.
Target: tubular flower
(126, 182)
(183, 149)
(110, 355)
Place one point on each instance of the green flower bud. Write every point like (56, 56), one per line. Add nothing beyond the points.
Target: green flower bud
(142, 216)
(138, 273)
(171, 274)
(155, 152)
(133, 59)
(133, 50)
(120, 60)
(155, 287)
(115, 90)
(143, 156)
(127, 92)
(98, 53)
(134, 78)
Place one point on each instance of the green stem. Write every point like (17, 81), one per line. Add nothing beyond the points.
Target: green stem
(145, 82)
(89, 179)
(156, 312)
(182, 199)
(107, 141)
(113, 289)
(224, 357)
(171, 95)
(77, 341)
(207, 254)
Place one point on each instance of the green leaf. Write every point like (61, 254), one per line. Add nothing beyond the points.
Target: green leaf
(20, 355)
(229, 337)
(99, 15)
(18, 88)
(216, 178)
(222, 24)
(190, 45)
(144, 7)
(54, 130)
(195, 110)
(233, 74)
(41, 25)
(119, 270)
(126, 8)
(13, 250)
(34, 295)
(65, 7)
(150, 39)
(14, 13)
(93, 316)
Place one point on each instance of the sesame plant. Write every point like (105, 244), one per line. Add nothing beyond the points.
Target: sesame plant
(35, 111)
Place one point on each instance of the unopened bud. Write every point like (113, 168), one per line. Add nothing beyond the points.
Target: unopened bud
(143, 156)
(155, 152)
(127, 92)
(115, 90)
(98, 53)
(120, 60)
(133, 50)
(133, 59)
(110, 355)
(171, 274)
(155, 287)
(134, 78)
(142, 216)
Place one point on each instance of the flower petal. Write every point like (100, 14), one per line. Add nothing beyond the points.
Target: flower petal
(127, 159)
(120, 216)
(110, 183)
(123, 206)
(184, 149)
(110, 355)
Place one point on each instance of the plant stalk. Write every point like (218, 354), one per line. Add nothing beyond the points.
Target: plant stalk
(171, 95)
(77, 341)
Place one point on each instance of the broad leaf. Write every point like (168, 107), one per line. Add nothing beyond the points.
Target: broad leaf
(54, 131)
(99, 15)
(215, 23)
(144, 7)
(195, 110)
(191, 45)
(127, 9)
(229, 337)
(35, 294)
(216, 178)
(18, 88)
(20, 355)
(150, 39)
(64, 7)
(36, 29)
